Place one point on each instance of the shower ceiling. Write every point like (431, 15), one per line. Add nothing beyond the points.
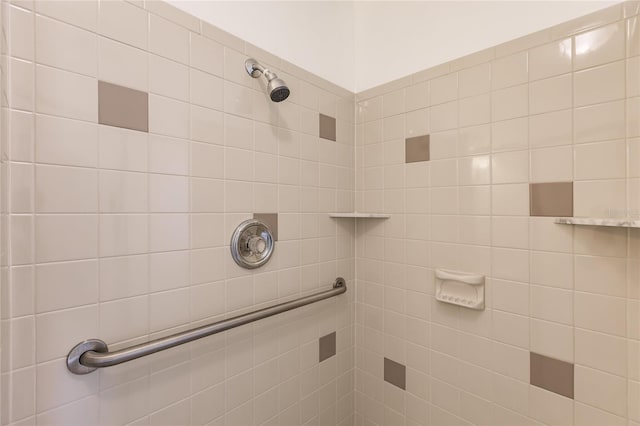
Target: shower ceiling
(344, 41)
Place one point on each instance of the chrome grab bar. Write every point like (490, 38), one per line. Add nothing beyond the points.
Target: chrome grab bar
(92, 354)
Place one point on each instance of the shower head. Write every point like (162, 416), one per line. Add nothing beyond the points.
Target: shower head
(278, 90)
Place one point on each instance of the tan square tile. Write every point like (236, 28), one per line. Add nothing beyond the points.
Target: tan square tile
(417, 149)
(552, 374)
(123, 107)
(551, 199)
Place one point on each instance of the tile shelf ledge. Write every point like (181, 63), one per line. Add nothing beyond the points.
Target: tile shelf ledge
(359, 215)
(600, 221)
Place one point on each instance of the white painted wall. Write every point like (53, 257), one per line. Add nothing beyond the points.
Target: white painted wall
(363, 44)
(315, 35)
(397, 38)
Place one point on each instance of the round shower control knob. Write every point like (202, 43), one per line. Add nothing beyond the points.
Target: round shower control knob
(257, 244)
(252, 244)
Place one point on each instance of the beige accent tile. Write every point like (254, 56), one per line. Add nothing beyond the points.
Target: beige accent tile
(509, 71)
(443, 89)
(552, 164)
(510, 103)
(168, 39)
(169, 78)
(66, 47)
(327, 347)
(510, 134)
(327, 127)
(417, 149)
(124, 22)
(474, 110)
(599, 122)
(609, 394)
(510, 167)
(601, 351)
(600, 84)
(474, 81)
(600, 160)
(271, 220)
(599, 46)
(123, 107)
(550, 129)
(551, 199)
(600, 313)
(65, 94)
(395, 373)
(81, 14)
(552, 374)
(604, 198)
(633, 36)
(551, 94)
(550, 60)
(123, 65)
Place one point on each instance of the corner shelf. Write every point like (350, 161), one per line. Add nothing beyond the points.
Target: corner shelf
(357, 215)
(599, 221)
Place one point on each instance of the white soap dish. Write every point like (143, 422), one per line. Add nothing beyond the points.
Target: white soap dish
(460, 288)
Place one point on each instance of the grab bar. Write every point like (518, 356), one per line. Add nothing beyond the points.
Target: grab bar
(92, 354)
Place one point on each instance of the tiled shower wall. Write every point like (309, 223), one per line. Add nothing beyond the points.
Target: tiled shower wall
(136, 143)
(473, 160)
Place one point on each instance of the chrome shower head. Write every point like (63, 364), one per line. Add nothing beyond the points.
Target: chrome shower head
(278, 90)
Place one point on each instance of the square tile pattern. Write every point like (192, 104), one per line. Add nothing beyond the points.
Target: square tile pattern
(120, 106)
(327, 346)
(395, 373)
(552, 374)
(417, 149)
(551, 199)
(327, 128)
